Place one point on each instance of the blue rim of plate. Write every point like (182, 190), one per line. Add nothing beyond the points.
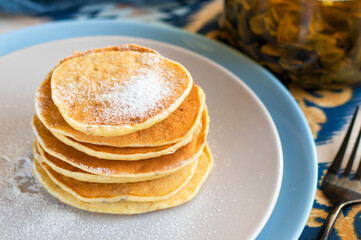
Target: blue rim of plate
(300, 160)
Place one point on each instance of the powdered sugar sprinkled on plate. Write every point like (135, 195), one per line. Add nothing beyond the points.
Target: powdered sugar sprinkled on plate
(29, 212)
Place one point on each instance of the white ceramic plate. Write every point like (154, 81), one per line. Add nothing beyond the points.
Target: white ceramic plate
(235, 202)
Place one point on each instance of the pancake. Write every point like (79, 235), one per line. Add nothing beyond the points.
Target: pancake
(71, 171)
(205, 164)
(153, 190)
(123, 153)
(122, 47)
(175, 128)
(113, 93)
(114, 153)
(165, 164)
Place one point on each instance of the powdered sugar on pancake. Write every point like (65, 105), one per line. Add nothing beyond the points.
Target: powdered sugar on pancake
(140, 94)
(109, 91)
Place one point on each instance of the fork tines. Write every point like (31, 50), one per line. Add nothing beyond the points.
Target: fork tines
(336, 164)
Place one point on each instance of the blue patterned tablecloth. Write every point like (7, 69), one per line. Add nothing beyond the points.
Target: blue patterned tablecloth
(327, 112)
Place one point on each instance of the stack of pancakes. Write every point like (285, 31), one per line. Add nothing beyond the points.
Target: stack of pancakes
(121, 130)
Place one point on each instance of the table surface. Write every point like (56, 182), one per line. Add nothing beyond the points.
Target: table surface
(328, 112)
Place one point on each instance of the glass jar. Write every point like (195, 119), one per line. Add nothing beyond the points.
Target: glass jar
(312, 42)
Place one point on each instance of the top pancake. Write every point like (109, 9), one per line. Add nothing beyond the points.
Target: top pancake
(121, 48)
(175, 128)
(113, 93)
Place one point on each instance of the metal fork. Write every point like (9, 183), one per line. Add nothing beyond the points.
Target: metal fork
(342, 190)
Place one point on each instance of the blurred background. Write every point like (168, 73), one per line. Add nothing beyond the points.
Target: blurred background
(313, 43)
(181, 13)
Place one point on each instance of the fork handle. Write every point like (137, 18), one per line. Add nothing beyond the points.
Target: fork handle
(330, 220)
